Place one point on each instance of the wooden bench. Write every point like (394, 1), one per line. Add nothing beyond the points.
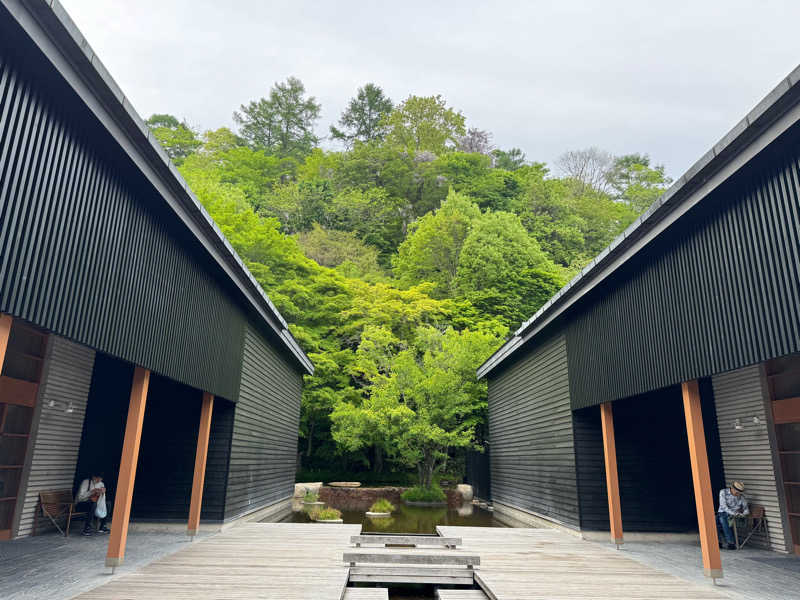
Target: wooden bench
(366, 594)
(405, 567)
(405, 540)
(56, 505)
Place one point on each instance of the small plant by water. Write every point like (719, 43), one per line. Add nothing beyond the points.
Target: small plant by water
(422, 494)
(381, 505)
(311, 497)
(325, 514)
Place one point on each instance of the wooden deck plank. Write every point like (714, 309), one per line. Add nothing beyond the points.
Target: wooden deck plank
(538, 564)
(280, 561)
(366, 594)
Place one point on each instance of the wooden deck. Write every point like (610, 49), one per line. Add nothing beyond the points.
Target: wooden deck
(280, 561)
(293, 561)
(539, 564)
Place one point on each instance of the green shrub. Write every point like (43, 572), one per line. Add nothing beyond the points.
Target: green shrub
(381, 506)
(325, 514)
(311, 497)
(422, 494)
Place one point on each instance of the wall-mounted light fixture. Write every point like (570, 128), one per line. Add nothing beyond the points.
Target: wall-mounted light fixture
(737, 425)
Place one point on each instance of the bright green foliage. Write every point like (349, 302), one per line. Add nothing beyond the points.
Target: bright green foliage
(176, 137)
(478, 241)
(282, 124)
(325, 514)
(432, 249)
(509, 160)
(502, 269)
(424, 124)
(364, 119)
(341, 250)
(382, 505)
(423, 397)
(635, 182)
(311, 497)
(424, 494)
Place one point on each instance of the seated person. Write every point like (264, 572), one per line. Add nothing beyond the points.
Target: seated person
(732, 503)
(91, 499)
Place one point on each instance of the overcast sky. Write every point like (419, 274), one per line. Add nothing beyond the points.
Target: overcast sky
(665, 78)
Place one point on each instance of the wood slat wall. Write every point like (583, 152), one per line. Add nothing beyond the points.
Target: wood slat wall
(746, 453)
(530, 431)
(265, 424)
(56, 433)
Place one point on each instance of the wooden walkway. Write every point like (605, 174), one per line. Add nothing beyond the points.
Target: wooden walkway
(294, 561)
(280, 561)
(545, 564)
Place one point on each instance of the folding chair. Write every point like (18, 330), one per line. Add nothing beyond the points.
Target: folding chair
(56, 505)
(756, 522)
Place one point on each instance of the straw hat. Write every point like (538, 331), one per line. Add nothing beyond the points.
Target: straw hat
(738, 486)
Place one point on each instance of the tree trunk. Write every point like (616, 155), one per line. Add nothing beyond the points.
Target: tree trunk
(377, 466)
(310, 437)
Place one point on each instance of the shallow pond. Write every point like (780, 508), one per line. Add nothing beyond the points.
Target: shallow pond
(409, 519)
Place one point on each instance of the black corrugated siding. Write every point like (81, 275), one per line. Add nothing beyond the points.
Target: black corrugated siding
(88, 249)
(265, 424)
(530, 432)
(718, 291)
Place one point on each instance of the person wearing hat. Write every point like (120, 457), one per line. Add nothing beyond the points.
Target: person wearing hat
(732, 504)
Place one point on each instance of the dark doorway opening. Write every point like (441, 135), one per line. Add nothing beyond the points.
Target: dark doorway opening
(168, 444)
(655, 478)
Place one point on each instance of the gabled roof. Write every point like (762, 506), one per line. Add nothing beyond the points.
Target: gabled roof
(51, 28)
(771, 117)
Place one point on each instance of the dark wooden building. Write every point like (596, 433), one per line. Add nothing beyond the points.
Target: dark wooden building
(133, 340)
(688, 326)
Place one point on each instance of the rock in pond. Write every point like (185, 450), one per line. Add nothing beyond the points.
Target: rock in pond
(300, 489)
(466, 492)
(345, 484)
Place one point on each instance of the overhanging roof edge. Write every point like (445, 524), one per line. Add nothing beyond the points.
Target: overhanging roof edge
(765, 122)
(67, 49)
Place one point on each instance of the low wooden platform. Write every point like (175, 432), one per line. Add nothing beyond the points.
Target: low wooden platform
(537, 564)
(366, 594)
(461, 595)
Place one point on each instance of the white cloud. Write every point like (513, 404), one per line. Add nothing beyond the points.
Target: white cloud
(666, 78)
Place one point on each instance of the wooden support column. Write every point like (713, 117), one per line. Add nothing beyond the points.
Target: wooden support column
(5, 332)
(704, 498)
(612, 478)
(127, 469)
(200, 464)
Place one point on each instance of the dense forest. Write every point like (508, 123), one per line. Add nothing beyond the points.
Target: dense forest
(402, 260)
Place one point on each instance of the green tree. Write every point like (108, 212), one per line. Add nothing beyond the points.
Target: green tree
(342, 250)
(282, 124)
(510, 160)
(364, 119)
(425, 124)
(423, 399)
(502, 270)
(432, 249)
(176, 137)
(633, 180)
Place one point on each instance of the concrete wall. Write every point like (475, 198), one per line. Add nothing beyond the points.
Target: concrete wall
(747, 453)
(55, 433)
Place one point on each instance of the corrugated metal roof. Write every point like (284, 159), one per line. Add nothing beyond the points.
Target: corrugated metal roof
(770, 117)
(52, 29)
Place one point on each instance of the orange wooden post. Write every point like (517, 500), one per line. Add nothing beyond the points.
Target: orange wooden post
(706, 518)
(200, 464)
(612, 478)
(127, 469)
(5, 332)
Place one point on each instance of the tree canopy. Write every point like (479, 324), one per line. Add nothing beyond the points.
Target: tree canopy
(402, 261)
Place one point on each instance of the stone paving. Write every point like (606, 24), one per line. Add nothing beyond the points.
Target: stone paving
(749, 574)
(57, 568)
